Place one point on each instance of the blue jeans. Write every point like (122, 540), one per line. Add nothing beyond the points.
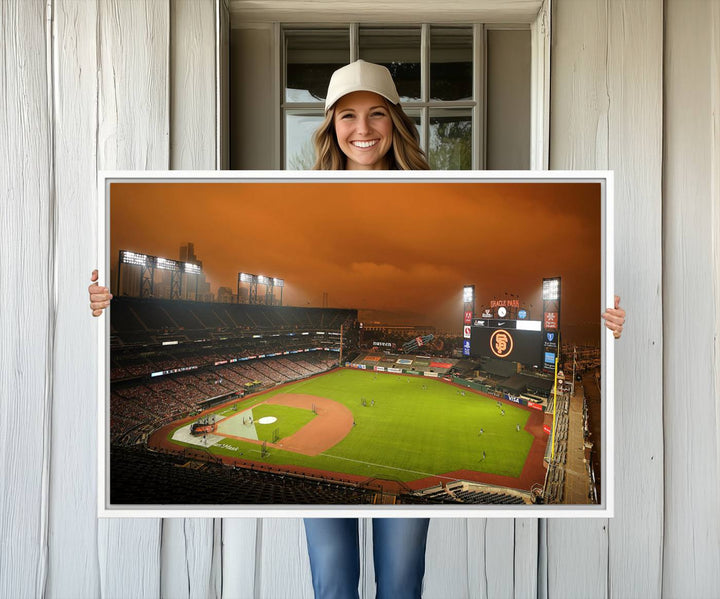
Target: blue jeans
(398, 550)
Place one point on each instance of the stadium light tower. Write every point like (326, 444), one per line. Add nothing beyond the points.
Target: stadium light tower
(268, 282)
(147, 272)
(551, 321)
(279, 283)
(148, 264)
(468, 294)
(193, 269)
(175, 269)
(551, 289)
(252, 280)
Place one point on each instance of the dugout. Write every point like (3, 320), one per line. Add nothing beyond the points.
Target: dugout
(213, 401)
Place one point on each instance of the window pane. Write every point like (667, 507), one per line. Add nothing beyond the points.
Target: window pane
(451, 55)
(414, 115)
(450, 139)
(299, 149)
(398, 50)
(311, 58)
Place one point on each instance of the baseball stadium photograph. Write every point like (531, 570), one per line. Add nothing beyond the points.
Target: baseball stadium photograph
(346, 343)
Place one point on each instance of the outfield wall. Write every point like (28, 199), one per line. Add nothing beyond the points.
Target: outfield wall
(393, 370)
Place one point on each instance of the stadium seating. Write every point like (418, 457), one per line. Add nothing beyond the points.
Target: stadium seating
(467, 492)
(132, 316)
(142, 402)
(142, 477)
(555, 478)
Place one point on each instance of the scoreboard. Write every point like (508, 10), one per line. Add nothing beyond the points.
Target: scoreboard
(504, 332)
(513, 340)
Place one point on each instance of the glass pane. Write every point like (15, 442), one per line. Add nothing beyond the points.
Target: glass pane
(398, 50)
(299, 149)
(451, 56)
(415, 117)
(450, 139)
(311, 57)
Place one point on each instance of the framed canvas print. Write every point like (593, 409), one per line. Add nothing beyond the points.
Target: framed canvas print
(356, 344)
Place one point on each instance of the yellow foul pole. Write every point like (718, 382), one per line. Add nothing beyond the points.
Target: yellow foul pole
(552, 448)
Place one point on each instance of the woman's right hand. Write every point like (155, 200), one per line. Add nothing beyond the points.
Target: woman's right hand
(99, 296)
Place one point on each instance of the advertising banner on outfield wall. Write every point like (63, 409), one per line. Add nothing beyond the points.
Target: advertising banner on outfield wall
(395, 370)
(431, 374)
(440, 365)
(515, 399)
(380, 368)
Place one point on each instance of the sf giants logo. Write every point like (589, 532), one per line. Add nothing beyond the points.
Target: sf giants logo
(501, 343)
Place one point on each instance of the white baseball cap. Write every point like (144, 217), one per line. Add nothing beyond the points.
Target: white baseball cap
(361, 76)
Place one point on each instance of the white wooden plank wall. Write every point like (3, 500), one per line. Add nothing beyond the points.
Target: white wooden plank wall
(190, 568)
(239, 558)
(192, 85)
(635, 537)
(133, 133)
(73, 555)
(446, 559)
(527, 553)
(607, 113)
(282, 566)
(26, 313)
(222, 54)
(577, 551)
(692, 397)
(115, 84)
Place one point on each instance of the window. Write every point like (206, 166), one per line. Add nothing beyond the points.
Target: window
(439, 71)
(467, 87)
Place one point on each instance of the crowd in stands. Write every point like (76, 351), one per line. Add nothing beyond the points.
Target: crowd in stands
(125, 363)
(154, 401)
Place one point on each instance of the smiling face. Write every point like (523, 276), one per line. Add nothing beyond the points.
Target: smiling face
(364, 130)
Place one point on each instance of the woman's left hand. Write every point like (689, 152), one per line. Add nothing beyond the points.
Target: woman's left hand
(615, 318)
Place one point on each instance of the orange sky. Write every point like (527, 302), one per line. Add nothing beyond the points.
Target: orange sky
(407, 248)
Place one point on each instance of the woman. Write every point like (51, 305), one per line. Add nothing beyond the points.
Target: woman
(365, 129)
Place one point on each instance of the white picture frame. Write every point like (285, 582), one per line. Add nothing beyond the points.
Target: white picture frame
(603, 509)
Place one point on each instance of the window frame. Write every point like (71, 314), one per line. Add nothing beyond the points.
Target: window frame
(540, 28)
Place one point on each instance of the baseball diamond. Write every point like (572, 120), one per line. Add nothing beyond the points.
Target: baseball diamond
(354, 425)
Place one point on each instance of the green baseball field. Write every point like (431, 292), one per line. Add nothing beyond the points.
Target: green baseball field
(368, 424)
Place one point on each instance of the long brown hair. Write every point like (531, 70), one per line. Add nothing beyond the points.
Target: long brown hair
(405, 154)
